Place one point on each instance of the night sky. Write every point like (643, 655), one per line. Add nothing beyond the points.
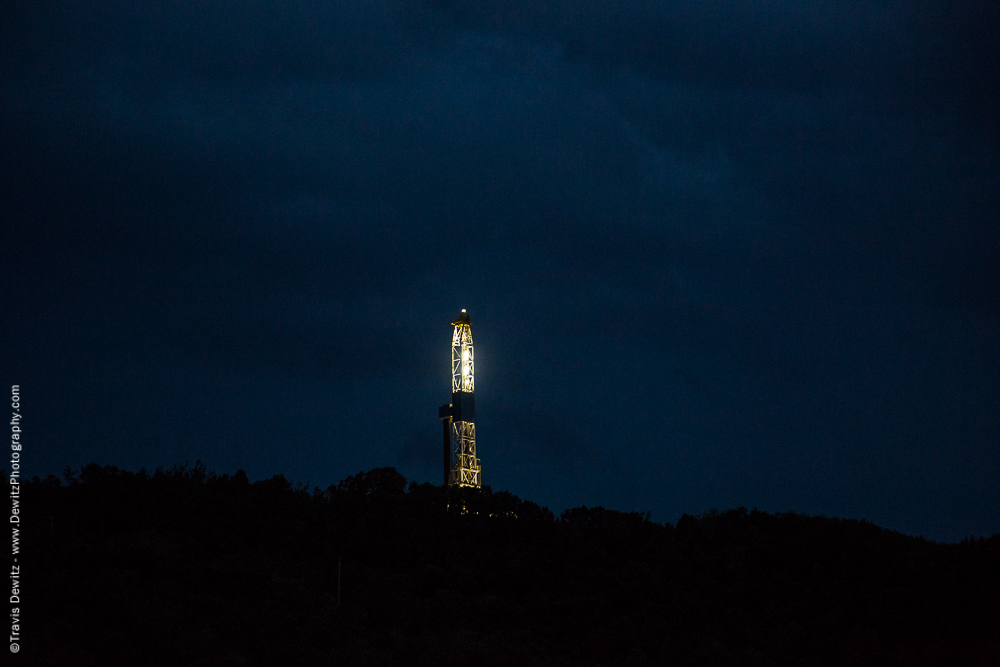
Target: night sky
(716, 253)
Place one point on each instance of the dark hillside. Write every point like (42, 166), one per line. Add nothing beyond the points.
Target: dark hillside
(184, 567)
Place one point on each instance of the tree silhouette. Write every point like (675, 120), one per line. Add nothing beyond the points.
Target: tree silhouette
(184, 566)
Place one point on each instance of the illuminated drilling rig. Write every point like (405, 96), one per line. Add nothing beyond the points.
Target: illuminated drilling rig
(461, 467)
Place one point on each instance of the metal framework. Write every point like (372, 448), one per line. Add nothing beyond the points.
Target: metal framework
(467, 468)
(461, 467)
(462, 357)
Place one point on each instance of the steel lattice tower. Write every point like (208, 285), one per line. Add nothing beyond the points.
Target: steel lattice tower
(461, 467)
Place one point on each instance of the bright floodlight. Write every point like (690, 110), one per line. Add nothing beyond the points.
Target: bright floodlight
(462, 356)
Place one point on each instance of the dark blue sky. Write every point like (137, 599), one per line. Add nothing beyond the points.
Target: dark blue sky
(716, 253)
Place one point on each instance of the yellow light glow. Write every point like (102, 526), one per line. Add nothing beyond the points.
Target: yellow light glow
(463, 364)
(466, 371)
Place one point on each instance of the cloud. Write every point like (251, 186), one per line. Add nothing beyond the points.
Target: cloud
(748, 221)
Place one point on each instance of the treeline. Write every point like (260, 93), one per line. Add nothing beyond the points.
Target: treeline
(186, 567)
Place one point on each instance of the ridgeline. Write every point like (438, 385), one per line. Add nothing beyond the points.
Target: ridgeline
(185, 567)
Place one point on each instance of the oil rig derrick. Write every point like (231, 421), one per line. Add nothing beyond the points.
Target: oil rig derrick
(461, 467)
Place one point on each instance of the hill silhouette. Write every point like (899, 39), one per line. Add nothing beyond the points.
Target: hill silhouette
(186, 567)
